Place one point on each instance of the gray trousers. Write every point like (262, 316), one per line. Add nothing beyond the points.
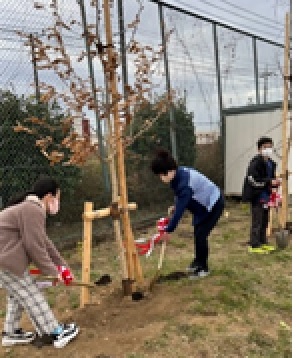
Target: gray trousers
(259, 224)
(24, 294)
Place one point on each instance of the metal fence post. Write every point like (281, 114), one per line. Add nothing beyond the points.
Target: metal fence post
(93, 87)
(168, 84)
(36, 77)
(218, 71)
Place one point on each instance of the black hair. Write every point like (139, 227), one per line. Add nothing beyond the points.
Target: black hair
(43, 186)
(264, 140)
(163, 162)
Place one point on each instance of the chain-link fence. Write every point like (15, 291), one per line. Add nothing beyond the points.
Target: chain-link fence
(209, 65)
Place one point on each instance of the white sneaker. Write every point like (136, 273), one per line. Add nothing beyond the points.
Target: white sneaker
(69, 332)
(199, 273)
(18, 337)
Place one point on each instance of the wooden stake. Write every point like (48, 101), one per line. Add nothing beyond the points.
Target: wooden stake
(102, 213)
(270, 223)
(131, 254)
(116, 222)
(284, 213)
(86, 255)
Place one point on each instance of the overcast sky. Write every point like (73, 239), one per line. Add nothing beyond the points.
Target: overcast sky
(191, 51)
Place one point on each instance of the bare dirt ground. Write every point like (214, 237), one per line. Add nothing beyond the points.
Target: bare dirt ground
(243, 309)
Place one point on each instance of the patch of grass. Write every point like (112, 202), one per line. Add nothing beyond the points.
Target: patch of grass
(2, 313)
(179, 244)
(192, 331)
(229, 301)
(225, 271)
(9, 353)
(260, 339)
(227, 236)
(204, 309)
(154, 345)
(283, 305)
(94, 275)
(284, 343)
(282, 256)
(221, 328)
(74, 300)
(67, 255)
(245, 208)
(232, 291)
(51, 297)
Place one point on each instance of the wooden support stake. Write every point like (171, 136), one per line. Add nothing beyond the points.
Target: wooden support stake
(115, 198)
(102, 213)
(86, 255)
(270, 223)
(284, 213)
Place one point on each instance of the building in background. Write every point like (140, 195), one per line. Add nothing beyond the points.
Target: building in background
(206, 137)
(243, 126)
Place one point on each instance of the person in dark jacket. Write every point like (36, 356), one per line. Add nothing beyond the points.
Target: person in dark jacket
(195, 192)
(258, 182)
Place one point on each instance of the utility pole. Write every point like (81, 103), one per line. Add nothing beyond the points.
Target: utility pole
(36, 77)
(168, 84)
(95, 99)
(265, 76)
(255, 58)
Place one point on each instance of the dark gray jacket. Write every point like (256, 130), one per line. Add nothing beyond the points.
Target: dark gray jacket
(256, 179)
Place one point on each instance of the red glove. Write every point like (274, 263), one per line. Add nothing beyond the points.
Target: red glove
(161, 224)
(66, 274)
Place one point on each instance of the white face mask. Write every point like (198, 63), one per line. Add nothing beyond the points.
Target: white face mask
(267, 152)
(54, 206)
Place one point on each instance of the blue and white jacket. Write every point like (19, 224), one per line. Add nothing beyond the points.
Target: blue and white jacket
(195, 192)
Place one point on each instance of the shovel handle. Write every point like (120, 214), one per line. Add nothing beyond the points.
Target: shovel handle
(73, 283)
(161, 256)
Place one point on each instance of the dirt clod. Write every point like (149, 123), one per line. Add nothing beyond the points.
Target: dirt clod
(103, 280)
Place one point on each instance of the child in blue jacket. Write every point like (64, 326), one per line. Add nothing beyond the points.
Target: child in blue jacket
(195, 192)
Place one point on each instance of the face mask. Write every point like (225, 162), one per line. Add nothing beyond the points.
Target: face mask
(54, 206)
(267, 152)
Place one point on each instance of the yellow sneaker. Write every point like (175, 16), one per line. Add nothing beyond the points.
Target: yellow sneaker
(257, 250)
(268, 247)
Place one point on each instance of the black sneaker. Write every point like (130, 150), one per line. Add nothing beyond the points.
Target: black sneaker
(192, 267)
(69, 332)
(18, 337)
(199, 273)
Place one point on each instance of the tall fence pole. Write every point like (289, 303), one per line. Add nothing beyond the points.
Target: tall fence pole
(122, 45)
(124, 70)
(34, 62)
(95, 99)
(218, 71)
(168, 84)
